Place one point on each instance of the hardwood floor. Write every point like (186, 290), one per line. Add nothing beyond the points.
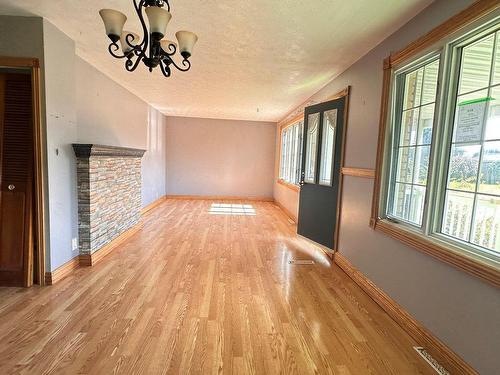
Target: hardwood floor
(203, 290)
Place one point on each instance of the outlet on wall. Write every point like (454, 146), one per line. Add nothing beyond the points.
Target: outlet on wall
(74, 244)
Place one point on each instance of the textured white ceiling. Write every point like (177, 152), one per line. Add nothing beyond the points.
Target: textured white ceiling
(255, 60)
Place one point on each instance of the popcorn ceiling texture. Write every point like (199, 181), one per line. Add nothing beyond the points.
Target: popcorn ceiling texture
(259, 54)
(109, 194)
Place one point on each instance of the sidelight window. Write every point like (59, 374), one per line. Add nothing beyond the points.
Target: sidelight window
(291, 153)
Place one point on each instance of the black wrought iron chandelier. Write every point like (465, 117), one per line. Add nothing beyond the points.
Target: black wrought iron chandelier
(153, 50)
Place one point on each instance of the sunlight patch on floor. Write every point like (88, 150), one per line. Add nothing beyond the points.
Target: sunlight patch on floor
(232, 209)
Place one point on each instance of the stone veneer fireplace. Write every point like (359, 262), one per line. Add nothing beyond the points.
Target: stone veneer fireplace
(109, 193)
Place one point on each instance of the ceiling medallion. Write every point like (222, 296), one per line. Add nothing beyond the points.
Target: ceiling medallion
(153, 50)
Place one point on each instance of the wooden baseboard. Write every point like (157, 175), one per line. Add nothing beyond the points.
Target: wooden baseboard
(153, 205)
(88, 260)
(286, 211)
(58, 274)
(220, 197)
(448, 359)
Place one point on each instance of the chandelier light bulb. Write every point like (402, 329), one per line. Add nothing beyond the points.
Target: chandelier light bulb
(158, 21)
(113, 23)
(186, 40)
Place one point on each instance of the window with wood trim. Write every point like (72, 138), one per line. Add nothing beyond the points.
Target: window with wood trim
(438, 173)
(291, 152)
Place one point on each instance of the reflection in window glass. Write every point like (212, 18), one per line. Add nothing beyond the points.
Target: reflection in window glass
(411, 165)
(472, 207)
(327, 147)
(476, 65)
(311, 147)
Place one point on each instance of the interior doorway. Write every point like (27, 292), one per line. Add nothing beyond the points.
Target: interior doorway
(321, 175)
(22, 255)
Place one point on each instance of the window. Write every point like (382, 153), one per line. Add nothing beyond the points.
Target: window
(311, 147)
(327, 147)
(291, 153)
(438, 175)
(412, 141)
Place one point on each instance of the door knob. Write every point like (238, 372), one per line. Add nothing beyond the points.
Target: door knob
(11, 187)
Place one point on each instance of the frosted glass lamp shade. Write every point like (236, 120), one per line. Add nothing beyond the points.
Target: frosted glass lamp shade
(123, 41)
(158, 21)
(186, 40)
(113, 23)
(165, 45)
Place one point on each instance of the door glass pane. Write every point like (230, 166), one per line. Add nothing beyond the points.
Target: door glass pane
(327, 147)
(311, 147)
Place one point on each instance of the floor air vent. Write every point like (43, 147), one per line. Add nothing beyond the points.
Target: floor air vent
(301, 262)
(431, 361)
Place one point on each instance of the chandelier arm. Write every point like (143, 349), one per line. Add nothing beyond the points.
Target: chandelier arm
(185, 63)
(130, 65)
(112, 48)
(171, 47)
(165, 70)
(129, 38)
(145, 40)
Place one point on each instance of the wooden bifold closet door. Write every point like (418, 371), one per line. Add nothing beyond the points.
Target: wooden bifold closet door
(16, 180)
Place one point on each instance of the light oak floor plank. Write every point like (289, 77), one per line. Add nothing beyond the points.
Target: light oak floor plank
(204, 288)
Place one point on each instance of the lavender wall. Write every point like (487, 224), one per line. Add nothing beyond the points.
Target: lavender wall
(459, 309)
(109, 114)
(220, 157)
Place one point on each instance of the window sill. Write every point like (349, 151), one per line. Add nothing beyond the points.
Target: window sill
(484, 269)
(289, 186)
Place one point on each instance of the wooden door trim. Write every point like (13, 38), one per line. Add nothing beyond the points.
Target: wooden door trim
(344, 93)
(39, 167)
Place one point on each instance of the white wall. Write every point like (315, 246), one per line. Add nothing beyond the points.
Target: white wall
(220, 157)
(459, 309)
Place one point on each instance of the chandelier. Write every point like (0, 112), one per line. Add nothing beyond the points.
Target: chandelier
(153, 50)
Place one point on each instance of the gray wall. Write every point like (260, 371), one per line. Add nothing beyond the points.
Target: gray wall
(80, 104)
(220, 157)
(60, 106)
(460, 309)
(109, 114)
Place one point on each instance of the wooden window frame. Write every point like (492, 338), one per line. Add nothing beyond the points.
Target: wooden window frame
(473, 265)
(282, 127)
(33, 65)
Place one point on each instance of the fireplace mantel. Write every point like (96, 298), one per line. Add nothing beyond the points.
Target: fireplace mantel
(88, 150)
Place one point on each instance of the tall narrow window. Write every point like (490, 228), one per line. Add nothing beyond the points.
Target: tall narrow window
(327, 147)
(291, 153)
(472, 194)
(311, 147)
(412, 141)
